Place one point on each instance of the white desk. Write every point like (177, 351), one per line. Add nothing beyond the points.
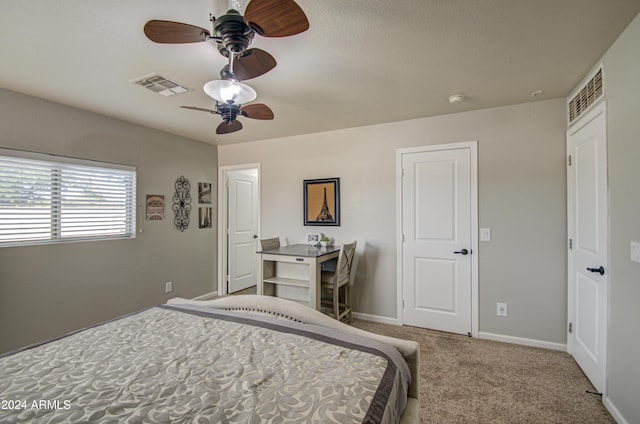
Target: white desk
(295, 268)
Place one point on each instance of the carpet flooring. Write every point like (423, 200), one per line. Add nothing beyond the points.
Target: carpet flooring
(467, 380)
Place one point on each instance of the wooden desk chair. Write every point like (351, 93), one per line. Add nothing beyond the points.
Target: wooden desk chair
(270, 243)
(336, 290)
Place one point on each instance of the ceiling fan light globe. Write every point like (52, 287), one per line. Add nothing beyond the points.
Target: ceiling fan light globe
(230, 92)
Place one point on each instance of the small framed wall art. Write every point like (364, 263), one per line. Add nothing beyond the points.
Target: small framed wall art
(322, 201)
(155, 207)
(204, 192)
(204, 218)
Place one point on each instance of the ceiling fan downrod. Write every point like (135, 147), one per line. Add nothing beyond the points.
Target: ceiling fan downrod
(226, 73)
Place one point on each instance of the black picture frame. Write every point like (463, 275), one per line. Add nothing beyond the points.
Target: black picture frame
(204, 193)
(322, 202)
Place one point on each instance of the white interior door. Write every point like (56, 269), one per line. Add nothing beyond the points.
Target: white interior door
(243, 230)
(437, 239)
(588, 234)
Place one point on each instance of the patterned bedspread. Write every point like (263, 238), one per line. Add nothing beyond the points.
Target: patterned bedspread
(185, 365)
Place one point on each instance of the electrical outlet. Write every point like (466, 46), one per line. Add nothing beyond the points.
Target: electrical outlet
(635, 251)
(168, 287)
(501, 309)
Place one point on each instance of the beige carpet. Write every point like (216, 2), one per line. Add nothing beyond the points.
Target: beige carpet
(465, 380)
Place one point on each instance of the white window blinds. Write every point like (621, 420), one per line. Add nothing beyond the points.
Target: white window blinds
(50, 199)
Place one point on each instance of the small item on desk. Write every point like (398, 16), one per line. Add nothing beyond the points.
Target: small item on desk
(313, 238)
(324, 241)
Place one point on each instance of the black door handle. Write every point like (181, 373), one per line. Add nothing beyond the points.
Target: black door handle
(598, 270)
(463, 252)
(255, 236)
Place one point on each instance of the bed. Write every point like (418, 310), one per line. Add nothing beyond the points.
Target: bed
(244, 359)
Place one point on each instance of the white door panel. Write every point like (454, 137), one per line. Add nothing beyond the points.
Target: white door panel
(586, 314)
(243, 268)
(243, 228)
(436, 223)
(586, 196)
(435, 297)
(588, 234)
(434, 193)
(244, 211)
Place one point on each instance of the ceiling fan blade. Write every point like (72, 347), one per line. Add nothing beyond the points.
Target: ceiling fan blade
(257, 111)
(225, 128)
(252, 63)
(199, 108)
(276, 18)
(174, 32)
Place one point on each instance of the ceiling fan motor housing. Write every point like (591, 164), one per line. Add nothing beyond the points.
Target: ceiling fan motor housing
(229, 112)
(233, 31)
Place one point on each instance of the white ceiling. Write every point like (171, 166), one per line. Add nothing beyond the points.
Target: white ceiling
(362, 62)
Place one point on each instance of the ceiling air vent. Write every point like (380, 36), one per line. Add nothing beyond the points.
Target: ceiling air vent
(586, 97)
(161, 85)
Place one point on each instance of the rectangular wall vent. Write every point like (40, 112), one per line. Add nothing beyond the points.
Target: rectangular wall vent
(161, 85)
(586, 97)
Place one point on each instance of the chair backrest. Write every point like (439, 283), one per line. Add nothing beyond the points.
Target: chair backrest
(345, 260)
(270, 243)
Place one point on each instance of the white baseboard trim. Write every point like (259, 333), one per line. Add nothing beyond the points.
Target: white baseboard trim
(522, 341)
(207, 296)
(614, 411)
(375, 318)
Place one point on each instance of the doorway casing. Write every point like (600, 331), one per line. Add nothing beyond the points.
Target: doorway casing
(223, 207)
(472, 146)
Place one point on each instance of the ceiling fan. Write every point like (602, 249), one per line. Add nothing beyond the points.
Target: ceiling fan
(230, 112)
(233, 33)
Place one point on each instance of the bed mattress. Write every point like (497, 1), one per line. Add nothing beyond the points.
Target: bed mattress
(195, 365)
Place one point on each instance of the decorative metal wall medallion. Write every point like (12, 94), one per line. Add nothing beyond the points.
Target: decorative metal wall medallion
(182, 203)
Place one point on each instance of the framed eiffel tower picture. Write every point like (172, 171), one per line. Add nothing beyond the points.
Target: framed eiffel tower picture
(322, 202)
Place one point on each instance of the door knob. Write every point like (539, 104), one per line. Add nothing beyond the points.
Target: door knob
(255, 236)
(462, 252)
(598, 270)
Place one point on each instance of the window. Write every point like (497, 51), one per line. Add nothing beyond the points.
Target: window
(53, 199)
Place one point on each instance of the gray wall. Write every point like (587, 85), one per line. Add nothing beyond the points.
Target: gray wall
(48, 290)
(522, 198)
(622, 87)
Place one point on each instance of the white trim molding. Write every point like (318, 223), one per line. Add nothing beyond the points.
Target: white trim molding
(375, 318)
(615, 413)
(523, 341)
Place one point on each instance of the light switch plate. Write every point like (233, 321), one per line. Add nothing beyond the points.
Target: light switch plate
(635, 251)
(485, 234)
